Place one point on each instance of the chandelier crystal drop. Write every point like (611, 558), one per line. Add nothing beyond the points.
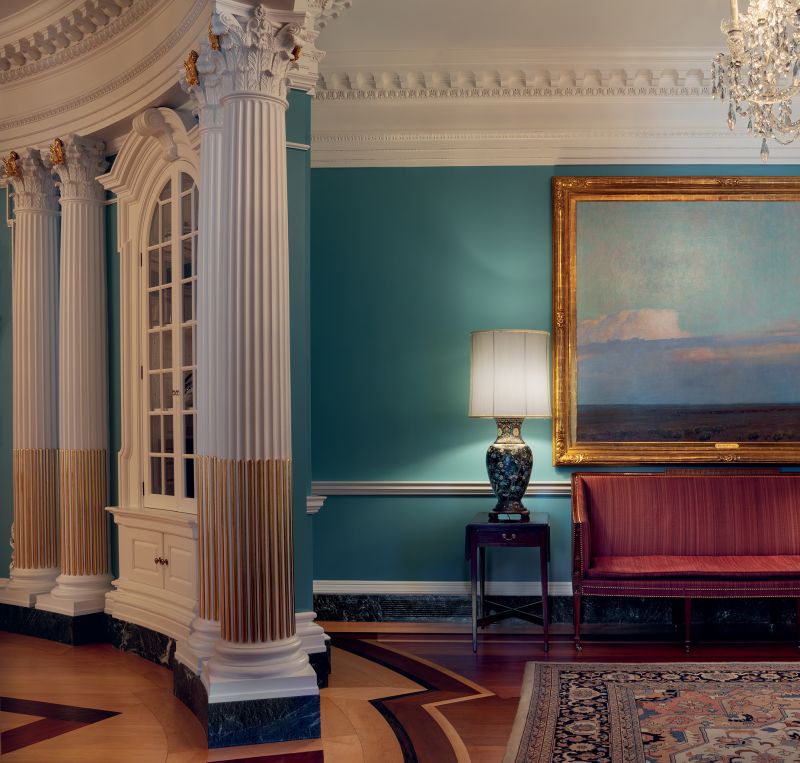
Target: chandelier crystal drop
(760, 73)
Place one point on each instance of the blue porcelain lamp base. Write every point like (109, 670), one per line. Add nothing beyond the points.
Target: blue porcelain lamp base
(509, 462)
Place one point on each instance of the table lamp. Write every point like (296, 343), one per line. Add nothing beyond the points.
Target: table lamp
(509, 382)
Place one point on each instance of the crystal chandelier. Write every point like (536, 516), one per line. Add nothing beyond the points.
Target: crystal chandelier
(760, 73)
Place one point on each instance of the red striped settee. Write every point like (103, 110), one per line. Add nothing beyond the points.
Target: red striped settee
(685, 535)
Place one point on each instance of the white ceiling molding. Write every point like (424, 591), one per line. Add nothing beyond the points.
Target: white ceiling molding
(532, 73)
(97, 93)
(542, 147)
(84, 28)
(524, 107)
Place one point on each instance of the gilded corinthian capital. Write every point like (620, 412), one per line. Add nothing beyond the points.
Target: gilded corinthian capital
(82, 160)
(259, 51)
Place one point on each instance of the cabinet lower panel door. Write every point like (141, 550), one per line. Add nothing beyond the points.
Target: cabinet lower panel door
(180, 575)
(139, 552)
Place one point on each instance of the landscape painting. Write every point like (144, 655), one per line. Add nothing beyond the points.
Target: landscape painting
(681, 328)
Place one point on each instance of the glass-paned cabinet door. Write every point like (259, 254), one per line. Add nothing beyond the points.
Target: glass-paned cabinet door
(170, 282)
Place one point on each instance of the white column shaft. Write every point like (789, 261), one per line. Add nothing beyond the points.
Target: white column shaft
(34, 383)
(35, 330)
(259, 654)
(83, 384)
(83, 368)
(256, 239)
(212, 273)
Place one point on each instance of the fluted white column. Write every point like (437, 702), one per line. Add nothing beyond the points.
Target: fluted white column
(83, 383)
(34, 379)
(205, 87)
(260, 655)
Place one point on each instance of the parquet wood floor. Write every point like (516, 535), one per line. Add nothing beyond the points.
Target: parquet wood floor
(398, 692)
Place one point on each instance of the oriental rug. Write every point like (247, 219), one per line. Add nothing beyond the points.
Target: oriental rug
(666, 713)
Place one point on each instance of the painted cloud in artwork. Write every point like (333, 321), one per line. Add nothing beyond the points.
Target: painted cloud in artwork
(630, 324)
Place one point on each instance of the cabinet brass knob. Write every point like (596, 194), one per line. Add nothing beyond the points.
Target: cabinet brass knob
(157, 560)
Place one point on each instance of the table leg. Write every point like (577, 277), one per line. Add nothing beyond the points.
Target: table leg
(543, 557)
(482, 566)
(473, 584)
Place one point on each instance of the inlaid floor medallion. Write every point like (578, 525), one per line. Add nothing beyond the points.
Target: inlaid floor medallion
(26, 722)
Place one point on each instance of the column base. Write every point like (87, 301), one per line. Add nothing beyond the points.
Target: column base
(76, 595)
(195, 650)
(260, 670)
(25, 585)
(316, 644)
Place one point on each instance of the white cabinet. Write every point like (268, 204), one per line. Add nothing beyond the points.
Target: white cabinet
(157, 584)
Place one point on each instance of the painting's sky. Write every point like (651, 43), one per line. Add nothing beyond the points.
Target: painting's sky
(688, 303)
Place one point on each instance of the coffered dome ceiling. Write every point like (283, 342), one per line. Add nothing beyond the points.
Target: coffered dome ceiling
(87, 66)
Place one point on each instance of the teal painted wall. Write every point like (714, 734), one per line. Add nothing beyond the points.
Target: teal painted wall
(6, 506)
(298, 125)
(406, 262)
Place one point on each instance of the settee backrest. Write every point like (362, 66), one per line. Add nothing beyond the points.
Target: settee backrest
(647, 514)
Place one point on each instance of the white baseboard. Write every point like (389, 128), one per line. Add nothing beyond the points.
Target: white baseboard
(444, 587)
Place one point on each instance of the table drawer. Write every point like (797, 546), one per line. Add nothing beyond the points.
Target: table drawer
(508, 537)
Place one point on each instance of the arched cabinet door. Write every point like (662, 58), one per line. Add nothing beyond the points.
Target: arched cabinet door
(169, 283)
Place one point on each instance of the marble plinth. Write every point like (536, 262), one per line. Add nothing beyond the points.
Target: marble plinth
(248, 722)
(28, 621)
(149, 644)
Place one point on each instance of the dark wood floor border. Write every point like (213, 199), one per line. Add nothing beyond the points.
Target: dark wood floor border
(419, 735)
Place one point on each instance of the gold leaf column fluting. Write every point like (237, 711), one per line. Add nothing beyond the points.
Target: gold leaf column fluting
(34, 379)
(259, 655)
(83, 386)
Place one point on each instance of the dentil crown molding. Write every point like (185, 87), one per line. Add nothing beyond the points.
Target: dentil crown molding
(509, 107)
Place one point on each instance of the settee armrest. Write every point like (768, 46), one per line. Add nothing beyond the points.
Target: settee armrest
(581, 537)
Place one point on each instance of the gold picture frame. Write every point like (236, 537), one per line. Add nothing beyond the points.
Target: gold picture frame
(580, 439)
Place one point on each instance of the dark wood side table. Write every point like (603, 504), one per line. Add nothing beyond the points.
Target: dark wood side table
(481, 533)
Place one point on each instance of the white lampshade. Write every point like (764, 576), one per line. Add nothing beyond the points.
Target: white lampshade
(510, 374)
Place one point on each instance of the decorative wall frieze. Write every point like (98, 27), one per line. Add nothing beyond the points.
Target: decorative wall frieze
(33, 184)
(80, 31)
(82, 160)
(258, 50)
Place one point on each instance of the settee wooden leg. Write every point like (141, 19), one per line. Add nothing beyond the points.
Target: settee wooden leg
(576, 610)
(687, 625)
